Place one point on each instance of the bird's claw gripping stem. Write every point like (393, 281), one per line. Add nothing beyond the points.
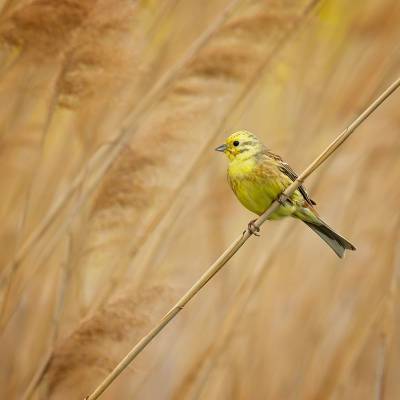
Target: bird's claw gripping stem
(253, 229)
(282, 199)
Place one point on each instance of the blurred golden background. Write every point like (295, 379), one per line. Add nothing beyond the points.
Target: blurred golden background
(113, 201)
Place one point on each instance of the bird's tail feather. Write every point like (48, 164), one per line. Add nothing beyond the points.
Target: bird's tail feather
(336, 242)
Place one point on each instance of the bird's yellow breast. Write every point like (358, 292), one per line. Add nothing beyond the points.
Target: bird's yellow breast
(257, 185)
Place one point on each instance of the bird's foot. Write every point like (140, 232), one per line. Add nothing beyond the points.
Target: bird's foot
(253, 228)
(282, 199)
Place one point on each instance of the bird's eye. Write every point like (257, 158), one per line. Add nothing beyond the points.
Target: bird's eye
(236, 143)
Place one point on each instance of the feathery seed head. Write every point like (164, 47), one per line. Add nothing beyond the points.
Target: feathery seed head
(241, 145)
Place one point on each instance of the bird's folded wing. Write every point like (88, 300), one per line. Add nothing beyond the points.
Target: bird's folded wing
(288, 171)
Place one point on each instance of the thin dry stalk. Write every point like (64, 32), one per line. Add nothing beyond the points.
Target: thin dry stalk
(239, 242)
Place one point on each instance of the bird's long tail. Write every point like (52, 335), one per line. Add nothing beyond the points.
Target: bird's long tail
(336, 242)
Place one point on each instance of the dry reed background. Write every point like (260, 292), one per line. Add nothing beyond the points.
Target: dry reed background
(100, 236)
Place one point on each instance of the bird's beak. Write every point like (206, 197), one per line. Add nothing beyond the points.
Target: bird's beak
(221, 148)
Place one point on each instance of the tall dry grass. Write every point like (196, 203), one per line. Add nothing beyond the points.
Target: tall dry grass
(111, 252)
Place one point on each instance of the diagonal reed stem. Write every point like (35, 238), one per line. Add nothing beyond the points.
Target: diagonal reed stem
(238, 243)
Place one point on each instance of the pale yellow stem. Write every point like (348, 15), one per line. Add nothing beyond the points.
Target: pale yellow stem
(239, 242)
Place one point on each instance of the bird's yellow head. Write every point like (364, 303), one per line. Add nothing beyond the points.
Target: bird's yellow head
(241, 145)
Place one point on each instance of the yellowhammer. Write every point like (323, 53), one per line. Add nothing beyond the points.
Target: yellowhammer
(258, 177)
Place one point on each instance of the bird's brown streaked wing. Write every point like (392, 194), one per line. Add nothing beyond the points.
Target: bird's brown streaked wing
(288, 171)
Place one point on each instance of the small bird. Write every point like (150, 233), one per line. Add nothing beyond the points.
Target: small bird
(258, 177)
